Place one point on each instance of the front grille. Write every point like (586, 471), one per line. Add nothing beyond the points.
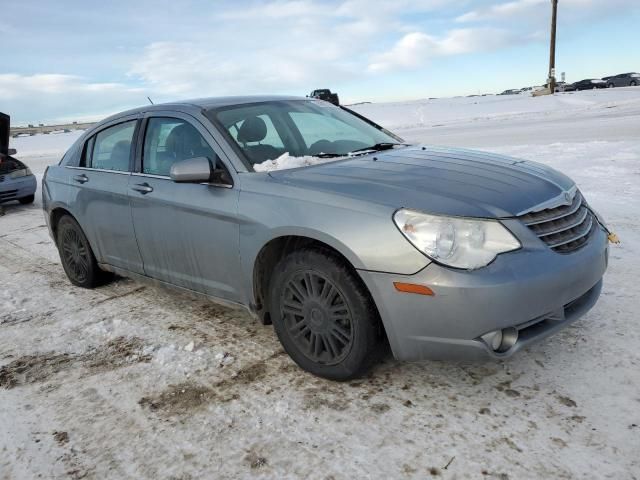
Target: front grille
(566, 228)
(1, 178)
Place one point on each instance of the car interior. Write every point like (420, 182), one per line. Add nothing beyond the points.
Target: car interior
(266, 131)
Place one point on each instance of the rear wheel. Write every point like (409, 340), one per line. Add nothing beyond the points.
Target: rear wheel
(324, 316)
(27, 200)
(76, 255)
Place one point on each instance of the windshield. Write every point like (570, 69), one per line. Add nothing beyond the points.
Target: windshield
(266, 131)
(10, 164)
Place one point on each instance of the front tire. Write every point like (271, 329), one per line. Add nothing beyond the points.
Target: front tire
(76, 255)
(27, 200)
(323, 315)
(633, 84)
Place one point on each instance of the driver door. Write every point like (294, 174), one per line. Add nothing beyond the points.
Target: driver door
(187, 233)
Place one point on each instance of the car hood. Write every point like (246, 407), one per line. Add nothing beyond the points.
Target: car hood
(437, 180)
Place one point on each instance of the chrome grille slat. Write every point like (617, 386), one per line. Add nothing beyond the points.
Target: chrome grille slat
(554, 213)
(565, 228)
(584, 232)
(581, 214)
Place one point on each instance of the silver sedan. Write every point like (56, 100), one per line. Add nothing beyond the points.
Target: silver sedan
(332, 228)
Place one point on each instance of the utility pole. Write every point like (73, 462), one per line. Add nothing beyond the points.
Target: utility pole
(552, 51)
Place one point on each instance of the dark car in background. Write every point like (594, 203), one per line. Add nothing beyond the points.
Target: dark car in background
(631, 79)
(587, 84)
(512, 91)
(326, 95)
(16, 180)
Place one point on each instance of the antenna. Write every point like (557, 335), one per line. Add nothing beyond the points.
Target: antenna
(150, 101)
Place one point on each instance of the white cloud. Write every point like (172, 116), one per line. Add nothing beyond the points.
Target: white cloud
(278, 10)
(51, 94)
(416, 48)
(277, 46)
(535, 10)
(502, 10)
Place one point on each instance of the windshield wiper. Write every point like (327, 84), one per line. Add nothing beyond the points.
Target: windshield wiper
(329, 155)
(373, 148)
(378, 147)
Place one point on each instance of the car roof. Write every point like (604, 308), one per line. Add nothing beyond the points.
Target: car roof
(208, 102)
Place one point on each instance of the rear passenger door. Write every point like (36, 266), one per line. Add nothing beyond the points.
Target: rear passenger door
(99, 194)
(187, 233)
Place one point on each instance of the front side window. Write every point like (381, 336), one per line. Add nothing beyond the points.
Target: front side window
(170, 140)
(266, 130)
(110, 149)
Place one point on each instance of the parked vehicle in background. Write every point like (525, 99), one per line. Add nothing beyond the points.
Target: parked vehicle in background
(444, 253)
(513, 91)
(589, 84)
(16, 180)
(326, 95)
(631, 79)
(564, 87)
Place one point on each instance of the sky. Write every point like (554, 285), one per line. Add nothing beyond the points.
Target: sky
(78, 60)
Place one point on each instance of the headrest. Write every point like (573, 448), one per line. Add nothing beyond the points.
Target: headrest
(183, 142)
(253, 129)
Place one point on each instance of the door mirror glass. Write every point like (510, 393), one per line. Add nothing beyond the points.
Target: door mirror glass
(196, 170)
(12, 151)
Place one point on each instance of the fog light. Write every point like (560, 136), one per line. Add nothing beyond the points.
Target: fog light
(501, 341)
(493, 339)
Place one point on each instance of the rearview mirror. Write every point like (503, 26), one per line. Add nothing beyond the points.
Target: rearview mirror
(198, 169)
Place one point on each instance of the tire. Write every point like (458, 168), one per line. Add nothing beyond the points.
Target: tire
(633, 83)
(610, 85)
(324, 316)
(76, 255)
(27, 200)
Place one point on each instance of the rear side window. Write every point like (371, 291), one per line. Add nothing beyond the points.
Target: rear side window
(110, 149)
(170, 140)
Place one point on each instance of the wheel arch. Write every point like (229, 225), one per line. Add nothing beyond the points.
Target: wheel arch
(54, 218)
(277, 248)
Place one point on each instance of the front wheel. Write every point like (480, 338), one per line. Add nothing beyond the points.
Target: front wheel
(324, 316)
(633, 84)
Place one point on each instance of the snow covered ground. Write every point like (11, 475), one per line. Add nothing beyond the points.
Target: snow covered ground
(129, 381)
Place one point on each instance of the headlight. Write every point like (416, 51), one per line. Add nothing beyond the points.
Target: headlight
(25, 172)
(458, 242)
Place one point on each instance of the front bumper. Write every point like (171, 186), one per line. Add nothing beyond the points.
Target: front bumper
(534, 290)
(14, 189)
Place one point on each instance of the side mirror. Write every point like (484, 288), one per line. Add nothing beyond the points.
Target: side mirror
(198, 169)
(11, 151)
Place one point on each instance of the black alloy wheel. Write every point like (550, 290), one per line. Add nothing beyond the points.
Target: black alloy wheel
(76, 255)
(324, 315)
(317, 317)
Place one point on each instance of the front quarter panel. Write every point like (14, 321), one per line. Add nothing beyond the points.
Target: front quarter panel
(363, 232)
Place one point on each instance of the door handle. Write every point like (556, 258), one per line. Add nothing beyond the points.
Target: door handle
(143, 188)
(81, 178)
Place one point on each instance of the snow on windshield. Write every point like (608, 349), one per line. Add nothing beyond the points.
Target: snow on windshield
(286, 161)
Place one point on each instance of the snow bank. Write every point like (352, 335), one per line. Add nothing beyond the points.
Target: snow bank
(52, 145)
(286, 161)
